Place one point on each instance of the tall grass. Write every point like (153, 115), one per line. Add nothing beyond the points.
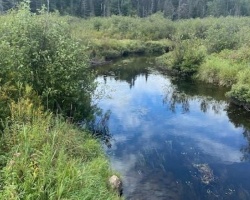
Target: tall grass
(46, 158)
(219, 71)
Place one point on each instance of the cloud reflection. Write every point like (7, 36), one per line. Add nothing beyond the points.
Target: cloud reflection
(140, 110)
(143, 118)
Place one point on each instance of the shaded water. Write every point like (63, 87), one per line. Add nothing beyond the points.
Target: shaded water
(173, 139)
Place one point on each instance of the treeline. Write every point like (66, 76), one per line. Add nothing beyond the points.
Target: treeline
(173, 9)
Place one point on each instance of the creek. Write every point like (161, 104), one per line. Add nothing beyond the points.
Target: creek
(172, 139)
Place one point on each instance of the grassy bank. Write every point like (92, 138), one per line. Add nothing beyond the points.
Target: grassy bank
(44, 157)
(45, 73)
(214, 50)
(117, 36)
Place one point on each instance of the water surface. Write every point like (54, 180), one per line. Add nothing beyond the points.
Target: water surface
(172, 139)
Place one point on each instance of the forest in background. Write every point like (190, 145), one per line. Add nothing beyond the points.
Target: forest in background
(172, 9)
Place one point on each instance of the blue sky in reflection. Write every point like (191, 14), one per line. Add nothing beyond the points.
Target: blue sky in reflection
(140, 119)
(145, 126)
(139, 116)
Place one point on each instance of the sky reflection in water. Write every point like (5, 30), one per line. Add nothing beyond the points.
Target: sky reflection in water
(160, 135)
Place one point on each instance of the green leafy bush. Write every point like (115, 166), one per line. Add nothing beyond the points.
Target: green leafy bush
(185, 59)
(240, 56)
(240, 91)
(38, 50)
(222, 35)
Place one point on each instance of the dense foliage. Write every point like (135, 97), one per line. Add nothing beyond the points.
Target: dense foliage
(214, 50)
(44, 69)
(185, 59)
(38, 50)
(173, 9)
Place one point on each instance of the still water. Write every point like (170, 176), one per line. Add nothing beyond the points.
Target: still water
(172, 139)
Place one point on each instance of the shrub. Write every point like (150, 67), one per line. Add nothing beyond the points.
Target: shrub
(240, 56)
(38, 50)
(185, 58)
(222, 35)
(241, 90)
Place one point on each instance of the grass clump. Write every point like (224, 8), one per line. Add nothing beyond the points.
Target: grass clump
(44, 157)
(219, 71)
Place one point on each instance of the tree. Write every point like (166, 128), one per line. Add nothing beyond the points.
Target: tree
(175, 9)
(1, 6)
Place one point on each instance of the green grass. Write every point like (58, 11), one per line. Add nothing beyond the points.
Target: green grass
(43, 157)
(219, 71)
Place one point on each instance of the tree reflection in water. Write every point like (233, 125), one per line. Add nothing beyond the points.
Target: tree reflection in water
(180, 93)
(99, 127)
(239, 116)
(149, 169)
(174, 98)
(246, 149)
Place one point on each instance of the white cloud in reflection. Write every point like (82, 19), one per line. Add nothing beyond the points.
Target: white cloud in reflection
(126, 167)
(130, 110)
(223, 152)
